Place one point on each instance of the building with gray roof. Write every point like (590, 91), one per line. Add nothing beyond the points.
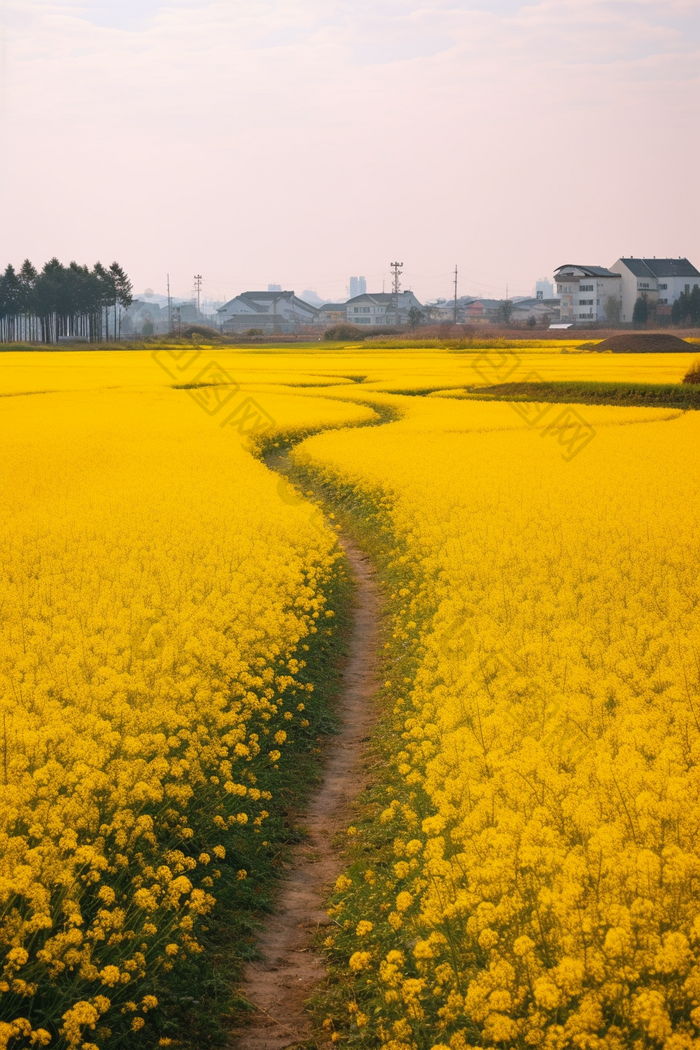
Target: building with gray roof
(591, 294)
(662, 281)
(271, 311)
(385, 308)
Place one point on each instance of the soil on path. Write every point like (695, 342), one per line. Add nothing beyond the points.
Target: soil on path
(285, 976)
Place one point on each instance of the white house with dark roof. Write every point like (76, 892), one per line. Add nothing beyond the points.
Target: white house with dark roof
(380, 308)
(273, 311)
(661, 280)
(584, 292)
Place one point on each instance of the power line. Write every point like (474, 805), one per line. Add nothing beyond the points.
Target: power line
(455, 311)
(198, 289)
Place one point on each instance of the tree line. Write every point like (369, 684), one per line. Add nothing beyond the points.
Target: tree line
(684, 311)
(62, 302)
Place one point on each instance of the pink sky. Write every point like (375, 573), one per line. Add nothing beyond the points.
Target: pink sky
(298, 143)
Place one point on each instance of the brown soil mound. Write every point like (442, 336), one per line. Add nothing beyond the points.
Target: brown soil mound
(641, 343)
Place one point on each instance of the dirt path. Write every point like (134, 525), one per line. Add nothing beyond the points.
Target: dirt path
(280, 982)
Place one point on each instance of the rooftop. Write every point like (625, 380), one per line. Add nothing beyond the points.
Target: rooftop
(257, 299)
(536, 302)
(586, 271)
(381, 298)
(660, 267)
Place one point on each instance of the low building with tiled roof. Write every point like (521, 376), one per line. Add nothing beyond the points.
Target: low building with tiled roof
(539, 309)
(271, 311)
(332, 313)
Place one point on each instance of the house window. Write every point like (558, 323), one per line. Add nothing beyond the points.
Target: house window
(364, 320)
(585, 302)
(586, 288)
(663, 287)
(642, 285)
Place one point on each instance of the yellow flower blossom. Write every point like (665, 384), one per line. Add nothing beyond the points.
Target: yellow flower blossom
(360, 960)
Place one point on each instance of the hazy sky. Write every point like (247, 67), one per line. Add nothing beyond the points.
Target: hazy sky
(296, 142)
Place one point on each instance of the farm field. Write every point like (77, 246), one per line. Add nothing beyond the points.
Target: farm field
(523, 869)
(23, 372)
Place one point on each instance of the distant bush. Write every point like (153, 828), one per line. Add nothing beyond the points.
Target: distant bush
(344, 331)
(361, 334)
(203, 330)
(693, 373)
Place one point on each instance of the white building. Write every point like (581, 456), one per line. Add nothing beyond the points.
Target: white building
(381, 308)
(585, 292)
(544, 288)
(273, 311)
(661, 280)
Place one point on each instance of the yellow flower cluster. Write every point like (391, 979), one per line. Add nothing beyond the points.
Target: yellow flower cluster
(157, 601)
(534, 849)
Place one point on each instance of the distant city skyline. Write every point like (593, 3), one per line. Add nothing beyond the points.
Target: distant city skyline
(302, 144)
(310, 295)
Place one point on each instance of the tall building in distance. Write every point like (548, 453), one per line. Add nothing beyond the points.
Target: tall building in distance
(274, 287)
(358, 286)
(544, 289)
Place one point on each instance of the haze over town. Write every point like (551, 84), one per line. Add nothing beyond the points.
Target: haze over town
(301, 143)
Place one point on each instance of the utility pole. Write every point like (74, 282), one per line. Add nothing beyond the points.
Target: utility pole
(396, 288)
(455, 311)
(198, 290)
(170, 308)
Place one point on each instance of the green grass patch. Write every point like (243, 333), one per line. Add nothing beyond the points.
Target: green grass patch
(469, 344)
(366, 515)
(661, 395)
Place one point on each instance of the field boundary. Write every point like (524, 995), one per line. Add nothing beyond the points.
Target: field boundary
(662, 395)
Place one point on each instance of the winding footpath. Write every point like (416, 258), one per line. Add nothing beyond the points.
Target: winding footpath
(278, 983)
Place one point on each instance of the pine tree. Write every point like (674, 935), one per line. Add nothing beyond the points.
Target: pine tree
(71, 301)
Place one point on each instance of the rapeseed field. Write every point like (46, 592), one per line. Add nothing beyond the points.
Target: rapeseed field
(524, 867)
(526, 874)
(159, 600)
